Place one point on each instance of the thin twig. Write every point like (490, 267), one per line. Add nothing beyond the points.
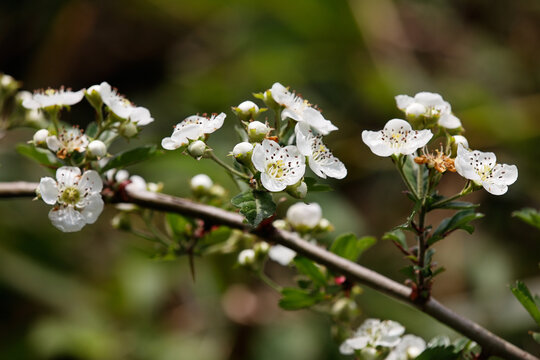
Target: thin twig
(491, 344)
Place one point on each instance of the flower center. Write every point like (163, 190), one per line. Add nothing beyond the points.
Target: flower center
(484, 172)
(276, 169)
(71, 195)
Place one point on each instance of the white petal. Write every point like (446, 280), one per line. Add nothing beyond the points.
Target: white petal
(258, 158)
(303, 138)
(316, 120)
(403, 101)
(67, 219)
(376, 145)
(449, 121)
(280, 94)
(429, 99)
(53, 143)
(93, 208)
(169, 144)
(495, 189)
(358, 342)
(190, 131)
(141, 116)
(345, 348)
(301, 214)
(72, 97)
(31, 104)
(505, 174)
(68, 176)
(316, 168)
(90, 182)
(395, 125)
(137, 182)
(416, 140)
(336, 169)
(272, 184)
(214, 123)
(281, 254)
(48, 190)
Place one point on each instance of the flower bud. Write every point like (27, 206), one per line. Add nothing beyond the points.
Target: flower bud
(242, 152)
(456, 141)
(155, 187)
(196, 149)
(261, 248)
(280, 224)
(298, 190)
(8, 84)
(325, 225)
(93, 96)
(201, 184)
(40, 137)
(257, 131)
(344, 309)
(369, 353)
(247, 110)
(128, 129)
(304, 216)
(218, 191)
(97, 148)
(246, 257)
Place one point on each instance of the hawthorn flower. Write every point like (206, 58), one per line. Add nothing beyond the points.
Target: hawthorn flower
(67, 141)
(52, 97)
(192, 128)
(279, 166)
(409, 348)
(373, 333)
(298, 109)
(302, 215)
(320, 159)
(482, 168)
(120, 106)
(281, 254)
(76, 198)
(397, 137)
(430, 105)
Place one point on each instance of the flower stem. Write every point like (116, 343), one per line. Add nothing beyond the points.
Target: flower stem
(466, 190)
(399, 166)
(277, 122)
(268, 281)
(211, 155)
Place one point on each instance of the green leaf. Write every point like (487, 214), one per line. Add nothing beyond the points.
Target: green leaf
(459, 220)
(350, 247)
(308, 267)
(42, 156)
(313, 186)
(410, 169)
(529, 215)
(294, 299)
(132, 156)
(409, 272)
(397, 236)
(522, 293)
(91, 129)
(214, 237)
(178, 226)
(255, 205)
(439, 353)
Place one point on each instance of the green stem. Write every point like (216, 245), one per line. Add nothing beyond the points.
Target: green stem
(277, 122)
(397, 161)
(211, 155)
(422, 247)
(268, 281)
(466, 190)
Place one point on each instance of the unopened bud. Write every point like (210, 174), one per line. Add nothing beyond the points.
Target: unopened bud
(201, 184)
(261, 248)
(257, 131)
(246, 257)
(325, 225)
(218, 191)
(242, 152)
(344, 309)
(128, 129)
(457, 141)
(97, 148)
(40, 137)
(196, 149)
(247, 110)
(93, 96)
(304, 216)
(280, 224)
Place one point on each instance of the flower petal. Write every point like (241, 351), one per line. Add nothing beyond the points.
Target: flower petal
(68, 176)
(90, 182)
(449, 121)
(272, 184)
(48, 190)
(258, 158)
(93, 209)
(67, 219)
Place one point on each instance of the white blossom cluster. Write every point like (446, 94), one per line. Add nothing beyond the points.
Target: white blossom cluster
(375, 338)
(279, 166)
(398, 137)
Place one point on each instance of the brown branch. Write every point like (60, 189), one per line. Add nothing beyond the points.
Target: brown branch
(491, 344)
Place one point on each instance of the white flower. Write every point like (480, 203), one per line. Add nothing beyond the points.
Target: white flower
(52, 97)
(67, 141)
(373, 333)
(40, 136)
(397, 137)
(320, 159)
(461, 140)
(281, 254)
(409, 348)
(300, 110)
(482, 167)
(192, 128)
(429, 105)
(304, 215)
(279, 166)
(201, 182)
(97, 148)
(77, 199)
(246, 257)
(120, 106)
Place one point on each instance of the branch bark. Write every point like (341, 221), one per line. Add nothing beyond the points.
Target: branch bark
(491, 344)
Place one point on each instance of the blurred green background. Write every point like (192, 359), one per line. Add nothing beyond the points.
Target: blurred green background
(98, 294)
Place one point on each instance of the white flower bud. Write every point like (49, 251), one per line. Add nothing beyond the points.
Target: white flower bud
(304, 216)
(459, 139)
(201, 183)
(242, 150)
(257, 131)
(97, 148)
(325, 225)
(121, 175)
(415, 109)
(6, 80)
(261, 247)
(128, 129)
(155, 187)
(248, 106)
(218, 191)
(40, 136)
(246, 257)
(280, 224)
(196, 149)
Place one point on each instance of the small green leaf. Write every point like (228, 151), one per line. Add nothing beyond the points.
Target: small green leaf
(132, 156)
(350, 247)
(313, 186)
(459, 220)
(410, 169)
(214, 237)
(409, 272)
(255, 205)
(308, 267)
(529, 215)
(42, 156)
(522, 293)
(397, 236)
(178, 226)
(439, 353)
(295, 299)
